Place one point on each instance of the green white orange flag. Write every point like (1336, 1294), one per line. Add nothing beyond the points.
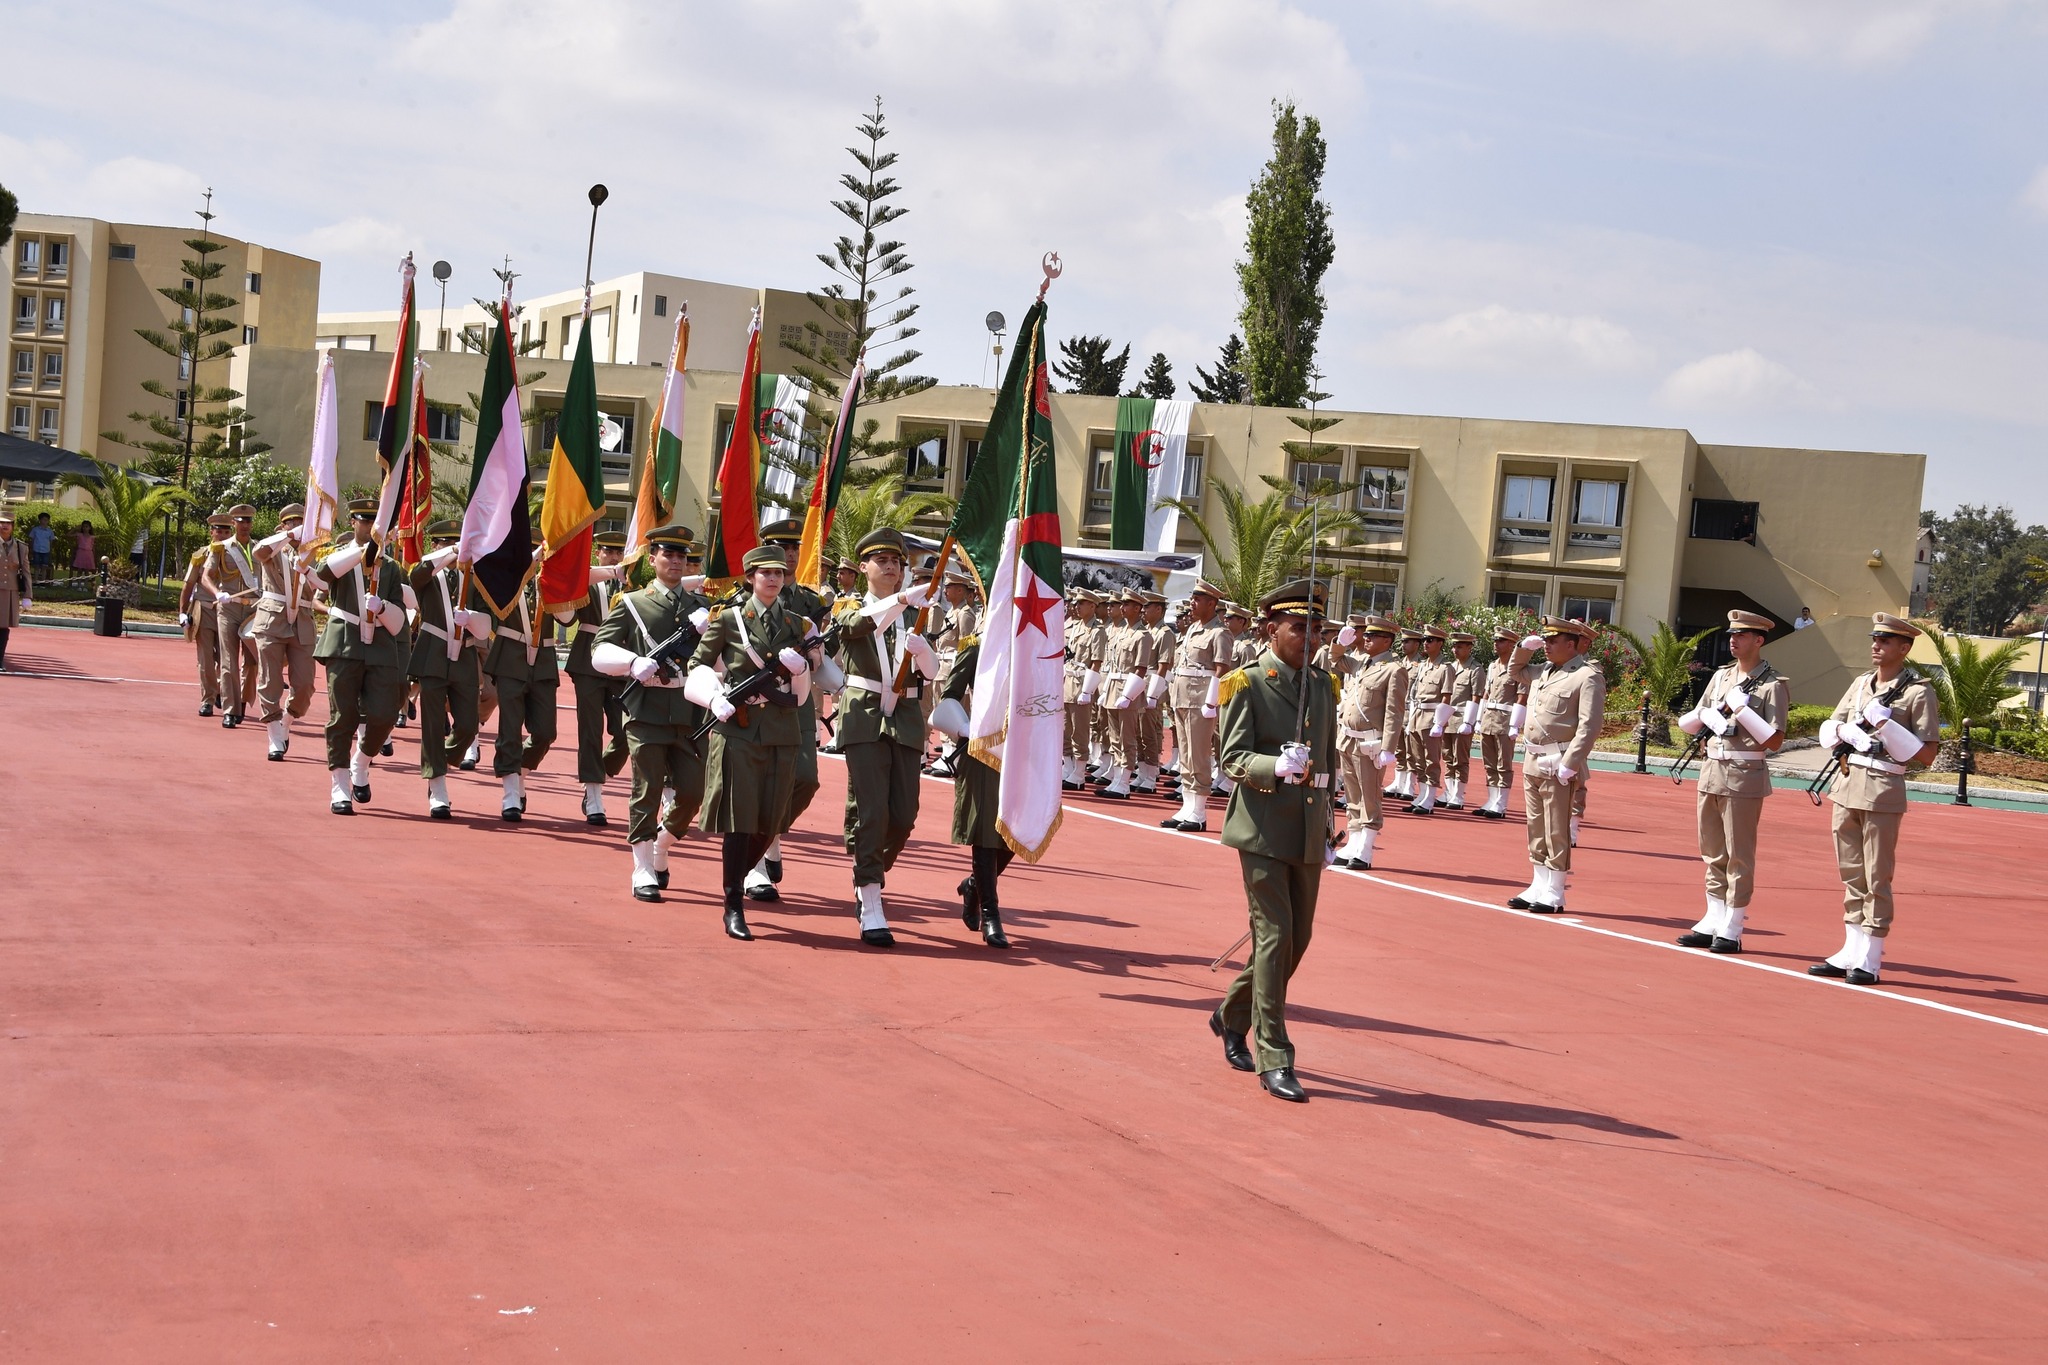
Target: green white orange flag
(575, 493)
(497, 526)
(810, 555)
(661, 469)
(1008, 526)
(739, 520)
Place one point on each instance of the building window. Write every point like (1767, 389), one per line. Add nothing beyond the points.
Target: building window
(473, 337)
(443, 424)
(1526, 497)
(1377, 598)
(183, 407)
(1191, 477)
(53, 315)
(24, 312)
(970, 447)
(623, 421)
(373, 420)
(1597, 502)
(1312, 475)
(248, 336)
(184, 361)
(24, 367)
(1720, 519)
(661, 305)
(1590, 609)
(1518, 601)
(721, 434)
(924, 460)
(18, 422)
(47, 427)
(441, 341)
(121, 251)
(1101, 480)
(1383, 498)
(187, 316)
(60, 259)
(31, 256)
(252, 281)
(53, 367)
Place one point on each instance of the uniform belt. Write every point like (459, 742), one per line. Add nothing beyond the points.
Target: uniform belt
(269, 596)
(1496, 706)
(430, 628)
(1878, 765)
(1543, 750)
(1192, 673)
(347, 616)
(871, 685)
(1721, 751)
(511, 634)
(1363, 736)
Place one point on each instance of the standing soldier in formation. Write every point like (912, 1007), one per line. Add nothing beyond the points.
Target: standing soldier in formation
(1744, 705)
(1151, 727)
(198, 615)
(805, 606)
(1085, 643)
(1278, 735)
(1370, 710)
(750, 766)
(1128, 659)
(1468, 685)
(1408, 770)
(1430, 701)
(600, 716)
(1498, 724)
(1567, 701)
(444, 670)
(283, 631)
(1889, 720)
(364, 649)
(1202, 655)
(231, 573)
(881, 737)
(661, 721)
(976, 787)
(524, 671)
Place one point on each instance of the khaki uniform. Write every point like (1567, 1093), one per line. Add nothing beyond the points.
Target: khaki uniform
(1369, 716)
(204, 633)
(1413, 756)
(1429, 684)
(448, 685)
(1870, 800)
(751, 763)
(282, 628)
(1468, 683)
(1497, 701)
(1129, 654)
(365, 678)
(882, 734)
(234, 571)
(523, 667)
(1566, 706)
(1734, 780)
(600, 714)
(660, 723)
(1086, 644)
(1281, 832)
(1200, 655)
(1151, 721)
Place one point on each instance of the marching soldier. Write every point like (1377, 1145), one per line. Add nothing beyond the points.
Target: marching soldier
(1128, 659)
(1744, 705)
(1567, 700)
(523, 668)
(1408, 770)
(231, 573)
(364, 649)
(750, 766)
(1468, 683)
(1085, 645)
(808, 608)
(962, 621)
(1369, 714)
(600, 718)
(444, 670)
(1889, 720)
(1281, 754)
(282, 627)
(1151, 730)
(1429, 714)
(661, 721)
(881, 737)
(1499, 701)
(198, 616)
(975, 789)
(1202, 655)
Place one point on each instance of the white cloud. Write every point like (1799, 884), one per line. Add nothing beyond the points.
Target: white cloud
(1855, 32)
(1498, 338)
(2035, 196)
(1734, 381)
(360, 235)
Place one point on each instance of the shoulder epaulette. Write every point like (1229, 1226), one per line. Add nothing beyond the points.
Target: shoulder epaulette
(1231, 684)
(1336, 686)
(846, 606)
(968, 641)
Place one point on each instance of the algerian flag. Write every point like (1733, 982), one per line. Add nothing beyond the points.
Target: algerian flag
(1008, 526)
(497, 529)
(1151, 453)
(780, 416)
(661, 469)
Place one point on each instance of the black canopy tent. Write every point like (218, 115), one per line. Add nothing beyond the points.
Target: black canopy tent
(38, 463)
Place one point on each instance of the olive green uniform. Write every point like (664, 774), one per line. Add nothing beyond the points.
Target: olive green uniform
(750, 765)
(365, 679)
(448, 685)
(801, 603)
(523, 667)
(882, 735)
(600, 715)
(659, 722)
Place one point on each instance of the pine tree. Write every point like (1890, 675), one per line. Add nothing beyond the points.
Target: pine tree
(1226, 384)
(1288, 246)
(1307, 452)
(1157, 381)
(10, 209)
(1089, 367)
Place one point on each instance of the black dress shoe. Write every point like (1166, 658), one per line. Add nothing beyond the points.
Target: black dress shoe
(399, 723)
(1693, 938)
(774, 870)
(1450, 805)
(341, 807)
(1171, 822)
(1422, 810)
(361, 793)
(386, 750)
(736, 924)
(878, 938)
(440, 813)
(412, 710)
(596, 817)
(1724, 946)
(467, 764)
(970, 902)
(1826, 969)
(275, 755)
(992, 928)
(1518, 903)
(206, 708)
(512, 814)
(227, 720)
(1281, 1085)
(763, 893)
(1108, 795)
(1070, 786)
(647, 893)
(1539, 908)
(1234, 1051)
(1858, 977)
(661, 879)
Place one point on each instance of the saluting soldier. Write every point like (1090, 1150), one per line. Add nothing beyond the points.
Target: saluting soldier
(1889, 720)
(1085, 643)
(1151, 729)
(231, 573)
(445, 672)
(364, 648)
(1370, 710)
(751, 764)
(1281, 753)
(1125, 667)
(809, 609)
(881, 737)
(976, 787)
(523, 667)
(282, 628)
(1202, 655)
(1468, 685)
(1567, 700)
(600, 715)
(661, 721)
(1428, 717)
(198, 615)
(1498, 724)
(1744, 706)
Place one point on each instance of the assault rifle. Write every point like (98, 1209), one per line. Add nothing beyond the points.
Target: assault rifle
(1838, 761)
(765, 683)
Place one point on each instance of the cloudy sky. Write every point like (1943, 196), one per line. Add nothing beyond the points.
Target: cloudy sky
(1798, 222)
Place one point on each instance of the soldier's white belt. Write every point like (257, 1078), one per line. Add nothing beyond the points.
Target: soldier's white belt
(1363, 736)
(511, 634)
(1720, 750)
(345, 615)
(1543, 750)
(1878, 765)
(1496, 706)
(1192, 673)
(270, 596)
(872, 685)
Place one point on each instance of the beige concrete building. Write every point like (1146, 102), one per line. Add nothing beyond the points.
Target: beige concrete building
(79, 290)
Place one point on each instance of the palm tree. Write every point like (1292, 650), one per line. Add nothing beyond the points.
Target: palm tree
(1265, 543)
(123, 507)
(1666, 671)
(871, 506)
(1970, 686)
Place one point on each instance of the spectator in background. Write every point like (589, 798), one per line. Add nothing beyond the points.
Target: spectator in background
(83, 558)
(14, 584)
(137, 552)
(41, 537)
(1803, 619)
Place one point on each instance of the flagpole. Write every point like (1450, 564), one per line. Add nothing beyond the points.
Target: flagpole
(598, 194)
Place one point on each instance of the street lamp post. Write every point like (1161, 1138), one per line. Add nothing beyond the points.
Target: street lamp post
(442, 270)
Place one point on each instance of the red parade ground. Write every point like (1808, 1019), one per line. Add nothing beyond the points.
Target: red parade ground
(288, 1087)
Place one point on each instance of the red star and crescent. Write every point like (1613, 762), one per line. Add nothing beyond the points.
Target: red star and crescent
(1033, 606)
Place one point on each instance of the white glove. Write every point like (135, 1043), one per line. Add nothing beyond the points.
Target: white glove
(1388, 758)
(478, 624)
(373, 605)
(1735, 699)
(949, 717)
(1347, 637)
(643, 669)
(1292, 765)
(184, 619)
(722, 708)
(393, 617)
(702, 686)
(1443, 718)
(1691, 723)
(344, 559)
(1546, 765)
(1155, 688)
(412, 601)
(1516, 718)
(1567, 775)
(796, 663)
(441, 558)
(1533, 642)
(1091, 683)
(699, 619)
(692, 582)
(615, 660)
(1875, 715)
(829, 675)
(1212, 698)
(1208, 711)
(1471, 717)
(1132, 687)
(604, 573)
(916, 595)
(273, 542)
(920, 649)
(1857, 736)
(1715, 721)
(1830, 733)
(1902, 744)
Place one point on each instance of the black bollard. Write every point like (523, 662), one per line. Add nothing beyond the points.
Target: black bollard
(1963, 775)
(1643, 736)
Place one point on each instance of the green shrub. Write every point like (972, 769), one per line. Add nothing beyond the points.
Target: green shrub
(1803, 722)
(2033, 744)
